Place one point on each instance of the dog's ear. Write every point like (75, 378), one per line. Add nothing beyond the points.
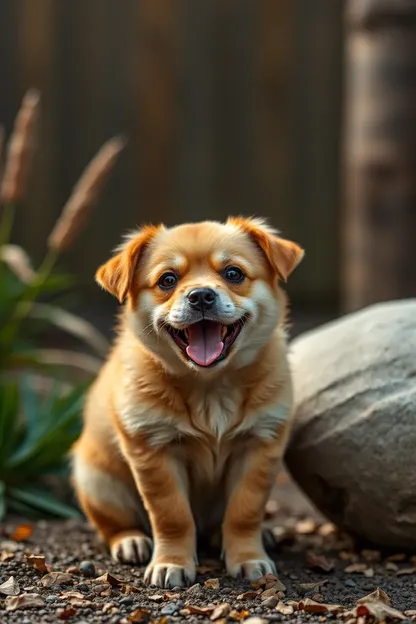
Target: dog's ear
(283, 255)
(116, 275)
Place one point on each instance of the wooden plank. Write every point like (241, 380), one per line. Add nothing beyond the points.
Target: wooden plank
(154, 93)
(379, 251)
(37, 54)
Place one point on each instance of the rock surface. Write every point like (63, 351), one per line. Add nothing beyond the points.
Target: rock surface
(353, 447)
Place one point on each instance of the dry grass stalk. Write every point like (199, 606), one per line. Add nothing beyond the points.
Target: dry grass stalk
(20, 149)
(85, 195)
(18, 261)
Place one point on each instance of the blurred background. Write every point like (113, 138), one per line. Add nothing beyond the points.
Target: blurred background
(302, 112)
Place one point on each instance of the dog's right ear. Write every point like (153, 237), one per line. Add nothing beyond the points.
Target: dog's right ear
(116, 275)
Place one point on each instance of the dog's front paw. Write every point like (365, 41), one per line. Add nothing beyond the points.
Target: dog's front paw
(168, 574)
(251, 569)
(131, 548)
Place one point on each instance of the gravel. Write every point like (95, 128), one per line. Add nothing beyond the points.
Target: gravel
(126, 600)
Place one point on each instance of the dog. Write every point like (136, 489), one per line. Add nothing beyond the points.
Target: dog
(187, 422)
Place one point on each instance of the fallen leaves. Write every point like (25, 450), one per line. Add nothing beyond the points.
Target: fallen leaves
(24, 601)
(284, 609)
(212, 583)
(379, 610)
(38, 562)
(356, 568)
(10, 587)
(22, 533)
(378, 595)
(304, 588)
(54, 579)
(237, 616)
(139, 616)
(318, 607)
(319, 562)
(109, 578)
(221, 611)
(406, 571)
(66, 612)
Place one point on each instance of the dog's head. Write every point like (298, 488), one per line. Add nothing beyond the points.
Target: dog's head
(205, 294)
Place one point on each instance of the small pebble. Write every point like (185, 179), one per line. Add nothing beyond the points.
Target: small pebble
(170, 608)
(270, 602)
(128, 600)
(226, 590)
(82, 587)
(87, 568)
(51, 598)
(350, 583)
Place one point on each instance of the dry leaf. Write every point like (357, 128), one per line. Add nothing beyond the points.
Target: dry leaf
(391, 567)
(56, 578)
(304, 588)
(410, 612)
(406, 571)
(195, 610)
(129, 589)
(318, 607)
(212, 583)
(248, 595)
(269, 580)
(139, 616)
(38, 562)
(25, 601)
(171, 595)
(398, 557)
(327, 529)
(369, 573)
(372, 556)
(66, 613)
(237, 616)
(109, 607)
(156, 598)
(220, 611)
(319, 562)
(356, 568)
(10, 587)
(305, 527)
(109, 578)
(70, 595)
(376, 596)
(268, 593)
(22, 533)
(281, 607)
(379, 610)
(6, 556)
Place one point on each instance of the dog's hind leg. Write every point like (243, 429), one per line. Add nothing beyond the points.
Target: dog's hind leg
(114, 507)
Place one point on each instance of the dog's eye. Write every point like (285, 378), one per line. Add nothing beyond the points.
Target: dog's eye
(168, 281)
(234, 274)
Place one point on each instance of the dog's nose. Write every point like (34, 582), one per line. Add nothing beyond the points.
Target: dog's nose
(202, 298)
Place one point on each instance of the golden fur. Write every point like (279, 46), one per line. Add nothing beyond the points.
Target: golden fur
(171, 449)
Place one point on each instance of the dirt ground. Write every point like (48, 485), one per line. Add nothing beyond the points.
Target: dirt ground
(317, 569)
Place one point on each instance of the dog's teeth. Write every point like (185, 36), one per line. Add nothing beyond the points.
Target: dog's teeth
(186, 333)
(224, 331)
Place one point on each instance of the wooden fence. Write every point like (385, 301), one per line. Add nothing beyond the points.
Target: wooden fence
(229, 106)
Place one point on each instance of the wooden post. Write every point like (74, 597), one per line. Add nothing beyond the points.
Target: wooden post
(379, 226)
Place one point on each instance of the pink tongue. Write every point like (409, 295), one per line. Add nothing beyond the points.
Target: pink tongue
(205, 343)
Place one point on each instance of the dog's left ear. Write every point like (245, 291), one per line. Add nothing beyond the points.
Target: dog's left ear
(283, 255)
(117, 274)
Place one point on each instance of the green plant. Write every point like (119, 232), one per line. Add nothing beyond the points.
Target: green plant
(41, 388)
(35, 435)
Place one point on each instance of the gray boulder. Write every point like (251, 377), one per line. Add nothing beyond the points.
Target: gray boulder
(353, 447)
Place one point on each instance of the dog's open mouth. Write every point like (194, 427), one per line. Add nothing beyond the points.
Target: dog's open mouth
(207, 342)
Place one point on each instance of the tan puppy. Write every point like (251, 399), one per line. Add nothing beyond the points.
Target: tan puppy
(188, 419)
